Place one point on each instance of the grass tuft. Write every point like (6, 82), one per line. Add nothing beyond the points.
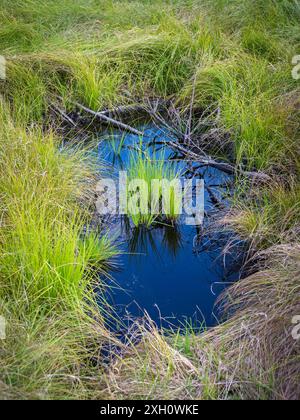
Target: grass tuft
(153, 201)
(47, 266)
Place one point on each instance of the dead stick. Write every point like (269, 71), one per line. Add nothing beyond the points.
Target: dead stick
(109, 120)
(223, 166)
(63, 115)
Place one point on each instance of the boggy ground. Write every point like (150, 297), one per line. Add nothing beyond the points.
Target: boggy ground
(228, 58)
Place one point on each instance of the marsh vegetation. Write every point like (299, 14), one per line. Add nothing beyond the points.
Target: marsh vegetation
(221, 70)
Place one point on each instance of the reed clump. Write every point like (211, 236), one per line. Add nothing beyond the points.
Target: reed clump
(155, 193)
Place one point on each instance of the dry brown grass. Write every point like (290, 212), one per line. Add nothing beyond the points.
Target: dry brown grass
(251, 356)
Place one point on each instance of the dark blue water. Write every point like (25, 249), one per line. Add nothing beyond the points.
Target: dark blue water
(174, 274)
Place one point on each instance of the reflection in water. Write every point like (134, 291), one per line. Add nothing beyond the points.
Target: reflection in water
(141, 240)
(172, 239)
(176, 282)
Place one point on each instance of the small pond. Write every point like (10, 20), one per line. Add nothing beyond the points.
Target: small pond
(175, 274)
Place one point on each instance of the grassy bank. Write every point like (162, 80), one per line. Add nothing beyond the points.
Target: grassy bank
(247, 72)
(232, 56)
(47, 267)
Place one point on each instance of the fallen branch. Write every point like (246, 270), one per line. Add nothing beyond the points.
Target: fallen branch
(125, 109)
(222, 166)
(64, 116)
(204, 160)
(134, 108)
(108, 120)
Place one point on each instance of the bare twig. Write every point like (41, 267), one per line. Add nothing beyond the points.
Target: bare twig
(63, 115)
(134, 108)
(200, 157)
(125, 109)
(107, 120)
(188, 130)
(222, 166)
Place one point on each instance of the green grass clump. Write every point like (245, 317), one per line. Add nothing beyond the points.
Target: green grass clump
(27, 92)
(101, 67)
(47, 265)
(247, 91)
(152, 203)
(269, 216)
(261, 44)
(278, 16)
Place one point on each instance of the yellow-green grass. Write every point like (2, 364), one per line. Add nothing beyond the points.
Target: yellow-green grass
(268, 216)
(154, 200)
(48, 268)
(255, 107)
(83, 52)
